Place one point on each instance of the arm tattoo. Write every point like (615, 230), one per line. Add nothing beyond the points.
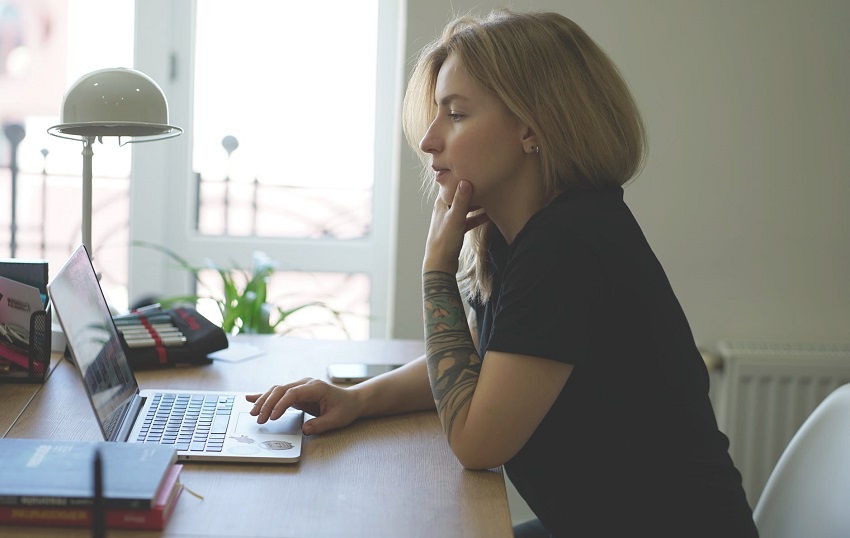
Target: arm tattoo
(453, 361)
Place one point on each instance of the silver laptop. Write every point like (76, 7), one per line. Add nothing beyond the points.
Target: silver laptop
(201, 425)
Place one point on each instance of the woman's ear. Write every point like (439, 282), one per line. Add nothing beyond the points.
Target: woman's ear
(529, 141)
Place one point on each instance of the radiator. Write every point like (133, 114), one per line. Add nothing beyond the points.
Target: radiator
(767, 389)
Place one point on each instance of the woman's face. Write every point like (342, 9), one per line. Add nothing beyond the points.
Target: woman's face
(473, 137)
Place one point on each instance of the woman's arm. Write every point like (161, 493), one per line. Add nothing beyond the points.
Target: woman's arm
(403, 390)
(489, 409)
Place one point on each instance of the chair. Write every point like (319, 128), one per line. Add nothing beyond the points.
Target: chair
(808, 492)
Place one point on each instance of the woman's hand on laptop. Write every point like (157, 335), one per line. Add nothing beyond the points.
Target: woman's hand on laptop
(334, 407)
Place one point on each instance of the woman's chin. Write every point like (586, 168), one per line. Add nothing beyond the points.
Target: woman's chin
(445, 195)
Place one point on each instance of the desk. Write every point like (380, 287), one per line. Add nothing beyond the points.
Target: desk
(391, 476)
(14, 398)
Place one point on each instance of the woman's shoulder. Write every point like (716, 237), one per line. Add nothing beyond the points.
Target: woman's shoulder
(576, 214)
(586, 202)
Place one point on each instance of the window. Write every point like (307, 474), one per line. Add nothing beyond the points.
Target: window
(44, 47)
(278, 103)
(290, 130)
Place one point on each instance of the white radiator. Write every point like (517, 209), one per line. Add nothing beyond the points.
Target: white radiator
(767, 390)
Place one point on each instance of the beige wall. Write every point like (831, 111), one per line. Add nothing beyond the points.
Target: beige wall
(745, 194)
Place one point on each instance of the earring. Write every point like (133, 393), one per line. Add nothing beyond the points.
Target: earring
(536, 149)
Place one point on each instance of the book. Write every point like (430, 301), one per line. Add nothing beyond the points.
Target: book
(48, 472)
(153, 519)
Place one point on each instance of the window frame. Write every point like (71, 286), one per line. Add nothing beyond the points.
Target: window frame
(161, 188)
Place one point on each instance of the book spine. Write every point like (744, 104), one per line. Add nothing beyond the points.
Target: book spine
(72, 502)
(80, 517)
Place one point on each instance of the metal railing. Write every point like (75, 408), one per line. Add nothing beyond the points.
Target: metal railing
(223, 206)
(41, 211)
(44, 216)
(276, 209)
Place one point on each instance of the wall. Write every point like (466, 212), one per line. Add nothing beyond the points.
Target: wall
(745, 191)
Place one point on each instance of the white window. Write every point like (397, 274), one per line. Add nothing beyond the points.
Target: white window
(290, 119)
(44, 47)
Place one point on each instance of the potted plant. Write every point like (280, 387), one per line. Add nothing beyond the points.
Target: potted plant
(244, 306)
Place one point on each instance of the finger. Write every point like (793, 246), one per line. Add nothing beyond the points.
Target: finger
(262, 401)
(295, 396)
(313, 427)
(265, 405)
(259, 400)
(318, 425)
(440, 209)
(460, 202)
(324, 422)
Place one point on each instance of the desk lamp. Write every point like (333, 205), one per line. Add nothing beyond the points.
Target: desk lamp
(111, 102)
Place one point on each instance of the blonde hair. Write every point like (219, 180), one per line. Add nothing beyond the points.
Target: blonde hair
(555, 79)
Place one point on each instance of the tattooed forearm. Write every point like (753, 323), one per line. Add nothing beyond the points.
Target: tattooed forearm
(453, 362)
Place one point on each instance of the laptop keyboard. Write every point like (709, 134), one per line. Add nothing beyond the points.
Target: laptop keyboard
(193, 422)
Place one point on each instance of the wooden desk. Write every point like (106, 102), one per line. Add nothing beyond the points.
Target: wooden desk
(14, 398)
(392, 476)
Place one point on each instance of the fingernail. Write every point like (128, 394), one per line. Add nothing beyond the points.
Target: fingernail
(463, 186)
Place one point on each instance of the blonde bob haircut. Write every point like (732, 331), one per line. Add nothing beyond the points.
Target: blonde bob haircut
(555, 79)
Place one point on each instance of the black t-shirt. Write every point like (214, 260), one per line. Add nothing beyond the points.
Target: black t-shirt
(631, 445)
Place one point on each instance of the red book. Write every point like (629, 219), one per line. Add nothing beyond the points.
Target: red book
(153, 519)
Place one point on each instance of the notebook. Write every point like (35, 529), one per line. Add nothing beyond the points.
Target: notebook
(222, 428)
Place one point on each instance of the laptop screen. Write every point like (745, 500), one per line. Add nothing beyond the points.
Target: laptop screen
(95, 346)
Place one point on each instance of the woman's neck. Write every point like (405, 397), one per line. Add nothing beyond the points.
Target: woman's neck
(512, 211)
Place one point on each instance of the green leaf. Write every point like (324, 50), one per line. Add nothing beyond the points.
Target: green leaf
(245, 310)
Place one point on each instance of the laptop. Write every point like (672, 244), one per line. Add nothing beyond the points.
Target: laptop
(214, 426)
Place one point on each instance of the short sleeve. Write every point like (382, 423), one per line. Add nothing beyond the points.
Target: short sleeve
(548, 298)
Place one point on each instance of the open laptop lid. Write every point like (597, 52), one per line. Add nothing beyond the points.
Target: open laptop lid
(95, 346)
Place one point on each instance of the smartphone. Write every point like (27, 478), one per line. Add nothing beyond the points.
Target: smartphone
(355, 372)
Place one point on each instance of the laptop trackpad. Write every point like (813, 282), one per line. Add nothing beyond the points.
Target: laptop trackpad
(288, 424)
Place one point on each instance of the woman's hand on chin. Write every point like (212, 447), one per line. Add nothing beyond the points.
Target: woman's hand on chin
(448, 225)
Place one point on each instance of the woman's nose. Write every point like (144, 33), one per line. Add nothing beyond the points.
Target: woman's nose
(429, 142)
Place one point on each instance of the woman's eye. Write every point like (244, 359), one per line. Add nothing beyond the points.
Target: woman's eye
(455, 116)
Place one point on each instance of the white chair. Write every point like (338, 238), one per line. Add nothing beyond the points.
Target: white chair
(808, 492)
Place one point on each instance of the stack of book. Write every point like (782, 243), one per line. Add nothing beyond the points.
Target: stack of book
(52, 483)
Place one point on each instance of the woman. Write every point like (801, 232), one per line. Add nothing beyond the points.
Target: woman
(580, 374)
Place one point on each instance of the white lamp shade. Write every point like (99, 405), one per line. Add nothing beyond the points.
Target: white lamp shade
(111, 102)
(115, 102)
